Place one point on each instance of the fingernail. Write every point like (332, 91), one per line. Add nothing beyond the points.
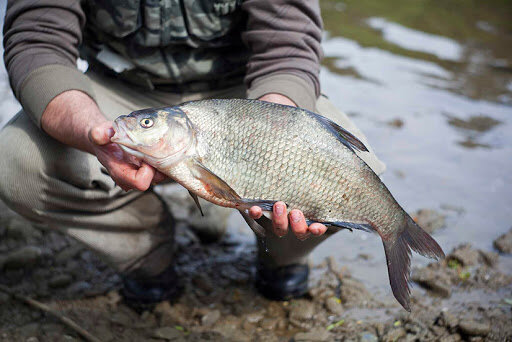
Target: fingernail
(296, 216)
(279, 209)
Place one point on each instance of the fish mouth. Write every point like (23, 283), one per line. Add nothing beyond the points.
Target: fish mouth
(121, 136)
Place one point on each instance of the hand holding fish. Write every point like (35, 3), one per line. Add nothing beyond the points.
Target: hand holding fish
(126, 174)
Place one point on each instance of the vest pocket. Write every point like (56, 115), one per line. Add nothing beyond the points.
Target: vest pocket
(118, 18)
(211, 19)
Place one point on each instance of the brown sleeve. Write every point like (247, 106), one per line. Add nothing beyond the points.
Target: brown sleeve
(41, 40)
(284, 39)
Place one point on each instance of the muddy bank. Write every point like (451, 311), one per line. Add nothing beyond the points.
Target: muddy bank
(468, 296)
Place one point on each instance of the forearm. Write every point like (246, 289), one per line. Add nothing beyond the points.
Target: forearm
(283, 37)
(69, 118)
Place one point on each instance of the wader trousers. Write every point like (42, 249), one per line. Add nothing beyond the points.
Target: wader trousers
(69, 190)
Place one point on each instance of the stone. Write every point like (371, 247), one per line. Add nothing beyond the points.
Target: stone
(367, 336)
(61, 280)
(474, 328)
(504, 243)
(301, 313)
(24, 257)
(171, 315)
(314, 335)
(430, 220)
(465, 255)
(269, 323)
(394, 335)
(334, 306)
(167, 333)
(210, 318)
(255, 317)
(437, 282)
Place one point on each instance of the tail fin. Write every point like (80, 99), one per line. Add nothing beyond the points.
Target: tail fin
(398, 257)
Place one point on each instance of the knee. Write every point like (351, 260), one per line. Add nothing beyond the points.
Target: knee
(19, 173)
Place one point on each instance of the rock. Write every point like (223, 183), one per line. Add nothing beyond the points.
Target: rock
(430, 220)
(269, 323)
(474, 328)
(450, 338)
(61, 280)
(170, 315)
(394, 335)
(489, 258)
(24, 257)
(210, 318)
(448, 320)
(167, 333)
(301, 313)
(504, 243)
(32, 339)
(353, 291)
(334, 306)
(465, 255)
(366, 336)
(314, 335)
(68, 253)
(255, 317)
(435, 281)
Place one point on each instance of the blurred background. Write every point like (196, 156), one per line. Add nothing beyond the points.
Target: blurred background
(430, 84)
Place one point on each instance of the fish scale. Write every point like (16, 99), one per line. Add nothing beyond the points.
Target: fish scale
(239, 153)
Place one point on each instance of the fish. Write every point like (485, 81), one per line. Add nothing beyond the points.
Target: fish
(239, 153)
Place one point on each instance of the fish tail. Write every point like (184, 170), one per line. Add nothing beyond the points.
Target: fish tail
(398, 257)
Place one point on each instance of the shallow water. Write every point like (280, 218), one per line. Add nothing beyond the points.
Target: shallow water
(430, 84)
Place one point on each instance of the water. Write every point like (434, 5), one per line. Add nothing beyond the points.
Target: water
(430, 84)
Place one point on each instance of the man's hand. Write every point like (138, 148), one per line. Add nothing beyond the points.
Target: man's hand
(280, 218)
(125, 174)
(74, 119)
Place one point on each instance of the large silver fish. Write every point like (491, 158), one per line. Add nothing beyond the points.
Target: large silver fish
(239, 153)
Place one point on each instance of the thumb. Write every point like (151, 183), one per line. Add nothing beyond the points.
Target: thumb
(101, 134)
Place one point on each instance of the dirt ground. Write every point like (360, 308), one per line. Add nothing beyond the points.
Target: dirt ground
(468, 296)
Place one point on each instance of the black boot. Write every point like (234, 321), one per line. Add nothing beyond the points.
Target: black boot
(282, 283)
(143, 293)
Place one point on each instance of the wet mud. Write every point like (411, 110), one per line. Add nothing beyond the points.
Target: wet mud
(466, 297)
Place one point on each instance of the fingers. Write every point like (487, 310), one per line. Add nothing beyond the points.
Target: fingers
(101, 134)
(279, 219)
(255, 212)
(159, 177)
(298, 224)
(317, 229)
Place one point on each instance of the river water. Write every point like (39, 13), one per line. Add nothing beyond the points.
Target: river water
(430, 84)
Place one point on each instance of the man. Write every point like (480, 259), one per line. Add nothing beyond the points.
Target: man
(56, 160)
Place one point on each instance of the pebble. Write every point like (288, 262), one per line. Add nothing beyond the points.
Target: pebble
(61, 280)
(366, 336)
(504, 242)
(255, 317)
(334, 306)
(210, 318)
(394, 335)
(474, 328)
(24, 257)
(269, 323)
(438, 283)
(465, 255)
(4, 298)
(430, 220)
(314, 335)
(167, 333)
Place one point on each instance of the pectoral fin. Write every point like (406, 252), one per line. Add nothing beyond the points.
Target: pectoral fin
(196, 200)
(220, 189)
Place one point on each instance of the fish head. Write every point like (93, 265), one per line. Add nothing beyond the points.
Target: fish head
(154, 134)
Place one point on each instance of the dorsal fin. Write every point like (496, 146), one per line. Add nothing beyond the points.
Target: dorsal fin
(344, 136)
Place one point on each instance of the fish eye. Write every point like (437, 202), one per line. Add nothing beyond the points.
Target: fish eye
(146, 122)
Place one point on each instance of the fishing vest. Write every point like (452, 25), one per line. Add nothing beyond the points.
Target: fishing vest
(179, 45)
